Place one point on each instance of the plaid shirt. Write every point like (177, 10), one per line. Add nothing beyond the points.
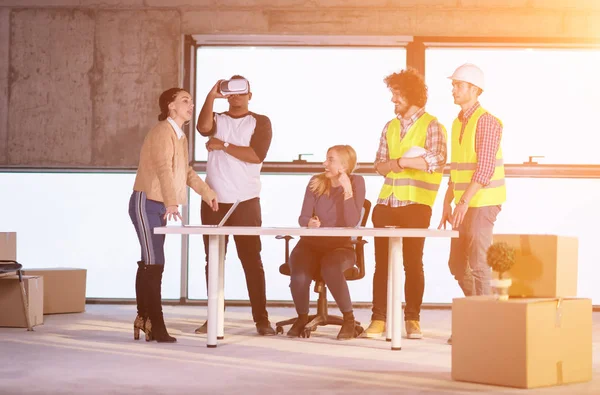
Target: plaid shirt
(487, 142)
(435, 145)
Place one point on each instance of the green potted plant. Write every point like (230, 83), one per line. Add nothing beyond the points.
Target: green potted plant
(501, 257)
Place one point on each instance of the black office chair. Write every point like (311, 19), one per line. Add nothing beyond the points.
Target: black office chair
(10, 267)
(354, 273)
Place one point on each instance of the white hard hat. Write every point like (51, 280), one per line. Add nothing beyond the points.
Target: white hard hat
(469, 73)
(414, 152)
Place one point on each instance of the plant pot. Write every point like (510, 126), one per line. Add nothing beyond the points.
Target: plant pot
(500, 287)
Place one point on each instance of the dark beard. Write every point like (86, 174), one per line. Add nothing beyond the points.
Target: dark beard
(400, 112)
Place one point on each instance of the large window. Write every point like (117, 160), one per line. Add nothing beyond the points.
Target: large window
(546, 98)
(535, 206)
(316, 97)
(81, 220)
(93, 231)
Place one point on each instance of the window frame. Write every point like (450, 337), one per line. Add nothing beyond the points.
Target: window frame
(416, 47)
(299, 165)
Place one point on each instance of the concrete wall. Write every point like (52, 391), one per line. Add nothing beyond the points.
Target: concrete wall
(79, 79)
(81, 85)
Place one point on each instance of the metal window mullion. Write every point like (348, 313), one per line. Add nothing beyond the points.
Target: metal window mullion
(415, 56)
(185, 256)
(189, 84)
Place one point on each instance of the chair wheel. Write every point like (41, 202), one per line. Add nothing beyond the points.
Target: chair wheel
(314, 328)
(306, 333)
(279, 330)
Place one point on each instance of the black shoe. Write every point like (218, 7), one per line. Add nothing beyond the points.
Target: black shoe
(298, 326)
(265, 329)
(349, 329)
(202, 329)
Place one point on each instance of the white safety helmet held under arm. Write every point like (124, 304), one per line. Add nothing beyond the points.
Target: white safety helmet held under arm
(469, 73)
(414, 152)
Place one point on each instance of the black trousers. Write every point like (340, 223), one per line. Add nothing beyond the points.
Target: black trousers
(411, 216)
(308, 260)
(247, 213)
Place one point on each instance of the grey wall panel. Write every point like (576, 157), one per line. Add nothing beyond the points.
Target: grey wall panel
(137, 57)
(50, 112)
(4, 66)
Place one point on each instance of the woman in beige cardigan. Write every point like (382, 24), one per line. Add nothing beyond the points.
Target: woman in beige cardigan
(160, 187)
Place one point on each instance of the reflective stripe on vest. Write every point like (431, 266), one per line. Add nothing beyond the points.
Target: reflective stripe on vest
(410, 184)
(464, 165)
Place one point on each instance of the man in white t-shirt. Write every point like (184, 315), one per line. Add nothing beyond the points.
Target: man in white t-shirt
(238, 143)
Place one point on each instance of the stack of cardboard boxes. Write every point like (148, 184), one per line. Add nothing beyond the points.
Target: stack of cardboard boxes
(48, 291)
(541, 336)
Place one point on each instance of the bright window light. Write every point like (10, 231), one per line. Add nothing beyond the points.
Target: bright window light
(546, 98)
(316, 97)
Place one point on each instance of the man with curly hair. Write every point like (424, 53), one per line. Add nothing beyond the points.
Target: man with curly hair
(411, 157)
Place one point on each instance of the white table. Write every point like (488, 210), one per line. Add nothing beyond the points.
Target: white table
(216, 265)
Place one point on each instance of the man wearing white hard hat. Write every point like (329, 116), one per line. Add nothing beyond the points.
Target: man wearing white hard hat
(476, 185)
(411, 156)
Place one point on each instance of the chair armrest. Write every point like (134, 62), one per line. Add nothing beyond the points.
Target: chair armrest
(285, 267)
(9, 266)
(360, 257)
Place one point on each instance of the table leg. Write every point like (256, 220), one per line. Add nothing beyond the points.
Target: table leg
(213, 290)
(221, 293)
(397, 291)
(389, 311)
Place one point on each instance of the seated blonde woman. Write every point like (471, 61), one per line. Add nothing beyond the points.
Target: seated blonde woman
(333, 198)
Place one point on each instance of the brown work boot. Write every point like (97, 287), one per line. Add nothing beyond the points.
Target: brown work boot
(413, 329)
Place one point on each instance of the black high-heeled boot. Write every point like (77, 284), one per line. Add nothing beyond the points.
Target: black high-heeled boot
(298, 326)
(139, 324)
(348, 329)
(153, 291)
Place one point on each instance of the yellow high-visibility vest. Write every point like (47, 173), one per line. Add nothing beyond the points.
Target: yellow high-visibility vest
(410, 184)
(464, 164)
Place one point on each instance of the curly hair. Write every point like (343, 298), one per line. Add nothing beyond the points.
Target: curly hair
(411, 85)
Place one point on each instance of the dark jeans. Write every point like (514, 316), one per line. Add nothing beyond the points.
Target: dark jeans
(411, 216)
(307, 261)
(468, 252)
(247, 213)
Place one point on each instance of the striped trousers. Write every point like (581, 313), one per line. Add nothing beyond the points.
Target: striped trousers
(146, 215)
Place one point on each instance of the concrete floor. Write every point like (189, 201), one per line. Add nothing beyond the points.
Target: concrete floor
(94, 353)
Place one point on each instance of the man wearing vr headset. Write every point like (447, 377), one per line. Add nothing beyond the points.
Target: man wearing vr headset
(238, 143)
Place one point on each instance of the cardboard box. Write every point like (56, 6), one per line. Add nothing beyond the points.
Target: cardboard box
(11, 303)
(524, 343)
(64, 289)
(545, 267)
(8, 246)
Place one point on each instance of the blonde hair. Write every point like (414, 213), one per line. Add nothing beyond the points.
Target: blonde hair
(320, 184)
